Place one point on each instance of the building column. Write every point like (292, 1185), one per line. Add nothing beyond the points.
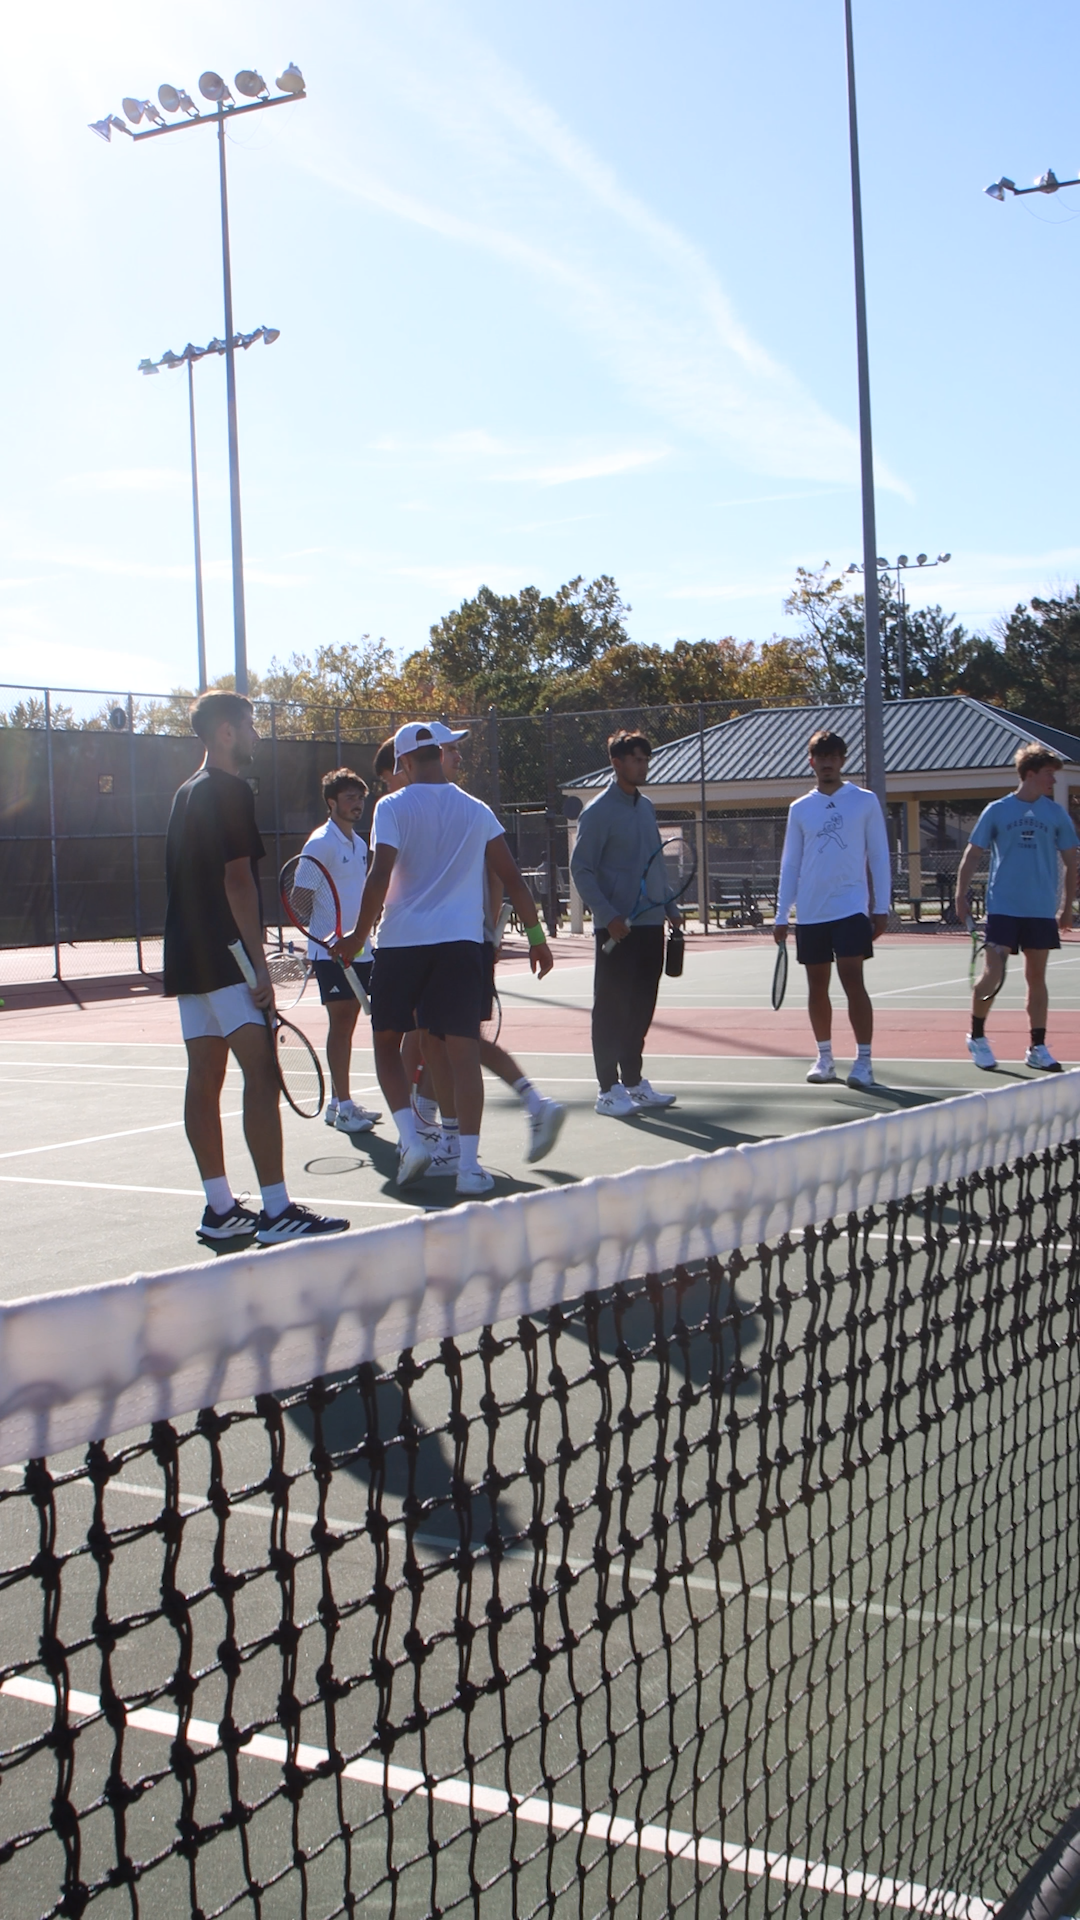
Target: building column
(702, 824)
(577, 904)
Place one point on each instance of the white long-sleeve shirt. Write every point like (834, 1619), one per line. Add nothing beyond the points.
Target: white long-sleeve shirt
(833, 841)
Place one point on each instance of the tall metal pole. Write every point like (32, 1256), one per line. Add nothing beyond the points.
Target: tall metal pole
(239, 619)
(901, 647)
(53, 873)
(873, 702)
(200, 620)
(136, 887)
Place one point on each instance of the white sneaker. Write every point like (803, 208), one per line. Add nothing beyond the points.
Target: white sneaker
(413, 1163)
(330, 1113)
(616, 1102)
(353, 1119)
(982, 1053)
(543, 1130)
(446, 1157)
(1042, 1058)
(821, 1072)
(475, 1181)
(861, 1075)
(645, 1096)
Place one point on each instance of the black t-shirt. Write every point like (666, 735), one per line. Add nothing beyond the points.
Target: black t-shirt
(212, 821)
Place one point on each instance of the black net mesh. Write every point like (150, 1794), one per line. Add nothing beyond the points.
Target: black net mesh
(748, 1589)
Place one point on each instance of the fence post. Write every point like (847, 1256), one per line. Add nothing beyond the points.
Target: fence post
(52, 836)
(337, 736)
(135, 887)
(551, 812)
(277, 810)
(494, 787)
(703, 858)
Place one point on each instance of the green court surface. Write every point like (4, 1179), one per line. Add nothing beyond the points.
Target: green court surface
(100, 1182)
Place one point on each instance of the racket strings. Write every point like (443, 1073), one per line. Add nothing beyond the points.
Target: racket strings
(310, 899)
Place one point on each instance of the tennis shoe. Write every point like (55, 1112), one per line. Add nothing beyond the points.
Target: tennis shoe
(330, 1113)
(353, 1119)
(645, 1096)
(821, 1073)
(413, 1163)
(474, 1181)
(1042, 1058)
(982, 1053)
(616, 1103)
(861, 1076)
(446, 1156)
(236, 1223)
(543, 1130)
(295, 1223)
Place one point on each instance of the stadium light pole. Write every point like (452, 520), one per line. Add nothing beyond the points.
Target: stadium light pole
(175, 100)
(189, 356)
(1047, 182)
(873, 692)
(900, 566)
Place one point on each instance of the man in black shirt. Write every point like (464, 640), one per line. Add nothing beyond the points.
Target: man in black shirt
(211, 864)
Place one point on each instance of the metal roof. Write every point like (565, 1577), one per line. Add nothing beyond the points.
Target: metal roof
(949, 734)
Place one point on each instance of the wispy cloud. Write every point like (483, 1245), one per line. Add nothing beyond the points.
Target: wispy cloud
(599, 467)
(507, 176)
(127, 480)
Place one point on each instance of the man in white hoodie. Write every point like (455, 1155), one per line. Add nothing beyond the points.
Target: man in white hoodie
(836, 850)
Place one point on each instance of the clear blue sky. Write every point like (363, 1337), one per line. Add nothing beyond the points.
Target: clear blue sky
(561, 290)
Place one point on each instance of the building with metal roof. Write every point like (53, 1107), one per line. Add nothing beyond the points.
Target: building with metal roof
(944, 759)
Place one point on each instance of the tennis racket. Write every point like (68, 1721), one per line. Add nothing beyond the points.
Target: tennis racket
(300, 1076)
(977, 935)
(779, 978)
(655, 890)
(310, 899)
(289, 970)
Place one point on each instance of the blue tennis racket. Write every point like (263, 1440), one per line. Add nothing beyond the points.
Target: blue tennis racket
(656, 889)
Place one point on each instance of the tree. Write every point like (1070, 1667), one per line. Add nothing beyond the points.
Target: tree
(509, 650)
(831, 627)
(1036, 669)
(940, 656)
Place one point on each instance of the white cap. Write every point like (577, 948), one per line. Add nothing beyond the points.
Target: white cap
(446, 735)
(421, 733)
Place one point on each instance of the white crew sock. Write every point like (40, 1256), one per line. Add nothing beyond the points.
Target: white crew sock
(824, 1051)
(470, 1153)
(527, 1092)
(275, 1199)
(333, 1103)
(405, 1122)
(864, 1053)
(451, 1133)
(219, 1194)
(427, 1109)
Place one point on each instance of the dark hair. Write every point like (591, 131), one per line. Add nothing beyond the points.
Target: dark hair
(336, 782)
(625, 742)
(384, 759)
(211, 710)
(1033, 758)
(825, 741)
(427, 753)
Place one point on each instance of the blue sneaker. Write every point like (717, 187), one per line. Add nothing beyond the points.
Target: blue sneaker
(295, 1223)
(217, 1229)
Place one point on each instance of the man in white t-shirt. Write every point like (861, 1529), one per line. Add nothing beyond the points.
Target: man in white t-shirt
(338, 847)
(431, 843)
(835, 849)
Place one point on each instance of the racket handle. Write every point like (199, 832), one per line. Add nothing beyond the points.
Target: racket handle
(503, 921)
(240, 955)
(357, 986)
(610, 945)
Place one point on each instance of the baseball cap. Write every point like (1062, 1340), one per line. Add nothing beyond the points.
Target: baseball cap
(422, 733)
(446, 735)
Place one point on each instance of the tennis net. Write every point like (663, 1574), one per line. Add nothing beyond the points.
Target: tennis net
(697, 1540)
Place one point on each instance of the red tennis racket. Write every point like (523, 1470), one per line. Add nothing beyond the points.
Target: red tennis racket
(310, 899)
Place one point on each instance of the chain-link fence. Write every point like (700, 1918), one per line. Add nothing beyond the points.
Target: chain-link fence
(88, 776)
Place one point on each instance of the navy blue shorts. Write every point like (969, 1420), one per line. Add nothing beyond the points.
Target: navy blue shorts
(823, 940)
(333, 985)
(440, 987)
(487, 998)
(1019, 931)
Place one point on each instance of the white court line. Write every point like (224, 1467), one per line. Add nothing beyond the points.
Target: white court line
(94, 1139)
(196, 1193)
(753, 1862)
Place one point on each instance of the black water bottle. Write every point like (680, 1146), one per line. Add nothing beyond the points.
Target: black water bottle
(673, 958)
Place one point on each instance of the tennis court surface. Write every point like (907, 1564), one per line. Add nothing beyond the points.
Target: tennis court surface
(698, 1538)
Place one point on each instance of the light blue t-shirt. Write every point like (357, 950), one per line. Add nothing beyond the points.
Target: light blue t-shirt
(1024, 838)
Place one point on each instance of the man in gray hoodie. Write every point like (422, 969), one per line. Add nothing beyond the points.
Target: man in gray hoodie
(616, 838)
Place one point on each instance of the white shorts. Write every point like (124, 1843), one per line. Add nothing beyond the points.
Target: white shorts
(213, 1016)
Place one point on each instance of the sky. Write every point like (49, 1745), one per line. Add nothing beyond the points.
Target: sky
(561, 291)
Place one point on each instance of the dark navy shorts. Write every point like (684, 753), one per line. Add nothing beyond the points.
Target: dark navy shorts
(487, 993)
(440, 987)
(1019, 931)
(823, 940)
(333, 985)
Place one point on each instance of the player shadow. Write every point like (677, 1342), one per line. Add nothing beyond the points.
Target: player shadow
(695, 1131)
(381, 1441)
(695, 1322)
